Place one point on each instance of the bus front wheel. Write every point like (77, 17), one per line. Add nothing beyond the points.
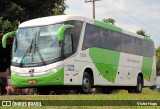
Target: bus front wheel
(86, 83)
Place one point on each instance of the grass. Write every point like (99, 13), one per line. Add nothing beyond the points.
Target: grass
(147, 94)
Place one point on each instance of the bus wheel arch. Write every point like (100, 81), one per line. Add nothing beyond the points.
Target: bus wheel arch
(141, 75)
(87, 81)
(140, 83)
(90, 72)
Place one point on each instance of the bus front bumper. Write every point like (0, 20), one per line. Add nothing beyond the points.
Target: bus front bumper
(55, 78)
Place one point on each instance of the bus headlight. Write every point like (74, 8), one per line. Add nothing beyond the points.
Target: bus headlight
(49, 71)
(54, 69)
(57, 68)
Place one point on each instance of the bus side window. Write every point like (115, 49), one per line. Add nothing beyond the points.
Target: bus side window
(68, 45)
(91, 37)
(106, 39)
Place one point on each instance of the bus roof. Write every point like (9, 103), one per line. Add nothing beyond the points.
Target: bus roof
(60, 18)
(50, 20)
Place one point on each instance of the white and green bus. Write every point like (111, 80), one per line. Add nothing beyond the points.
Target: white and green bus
(73, 51)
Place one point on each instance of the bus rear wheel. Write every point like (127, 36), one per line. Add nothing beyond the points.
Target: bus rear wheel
(86, 83)
(138, 88)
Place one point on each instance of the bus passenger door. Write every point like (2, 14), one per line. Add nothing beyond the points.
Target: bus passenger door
(70, 73)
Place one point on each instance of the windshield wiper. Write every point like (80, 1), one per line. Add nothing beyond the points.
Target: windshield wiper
(29, 49)
(36, 48)
(39, 54)
(25, 54)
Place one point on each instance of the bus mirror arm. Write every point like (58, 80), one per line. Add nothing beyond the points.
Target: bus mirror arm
(60, 43)
(61, 31)
(4, 39)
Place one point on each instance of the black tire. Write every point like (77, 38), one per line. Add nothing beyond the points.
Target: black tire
(86, 83)
(138, 88)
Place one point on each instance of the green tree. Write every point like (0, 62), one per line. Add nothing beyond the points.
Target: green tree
(109, 20)
(14, 11)
(141, 32)
(6, 25)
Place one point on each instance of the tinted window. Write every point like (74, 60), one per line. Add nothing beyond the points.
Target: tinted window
(106, 38)
(76, 32)
(151, 49)
(130, 44)
(145, 48)
(139, 46)
(91, 37)
(118, 42)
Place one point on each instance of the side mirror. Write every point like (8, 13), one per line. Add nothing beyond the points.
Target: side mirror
(4, 39)
(61, 31)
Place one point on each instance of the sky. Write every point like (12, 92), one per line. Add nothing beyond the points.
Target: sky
(131, 15)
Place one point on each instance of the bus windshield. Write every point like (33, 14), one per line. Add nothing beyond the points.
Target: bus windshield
(36, 44)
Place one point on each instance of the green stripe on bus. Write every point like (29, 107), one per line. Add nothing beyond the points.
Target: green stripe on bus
(147, 67)
(50, 79)
(108, 26)
(106, 61)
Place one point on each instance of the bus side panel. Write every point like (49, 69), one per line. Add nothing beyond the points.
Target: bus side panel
(109, 64)
(82, 62)
(149, 71)
(70, 72)
(119, 81)
(132, 66)
(153, 75)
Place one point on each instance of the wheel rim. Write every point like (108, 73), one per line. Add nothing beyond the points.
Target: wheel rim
(86, 84)
(139, 86)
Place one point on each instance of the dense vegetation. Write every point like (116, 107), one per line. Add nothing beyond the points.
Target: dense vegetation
(12, 12)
